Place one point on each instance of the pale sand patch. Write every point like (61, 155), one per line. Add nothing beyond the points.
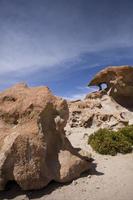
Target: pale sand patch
(112, 179)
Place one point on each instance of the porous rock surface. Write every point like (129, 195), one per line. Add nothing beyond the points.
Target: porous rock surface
(108, 108)
(119, 81)
(33, 147)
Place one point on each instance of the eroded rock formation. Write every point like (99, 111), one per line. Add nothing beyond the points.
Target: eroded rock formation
(119, 81)
(33, 147)
(108, 108)
(98, 113)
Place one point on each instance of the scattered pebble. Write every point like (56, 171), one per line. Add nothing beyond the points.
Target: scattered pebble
(83, 181)
(97, 187)
(83, 190)
(89, 176)
(85, 135)
(74, 182)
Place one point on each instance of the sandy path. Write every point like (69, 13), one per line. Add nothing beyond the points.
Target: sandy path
(112, 179)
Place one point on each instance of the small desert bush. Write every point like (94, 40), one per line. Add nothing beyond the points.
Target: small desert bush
(105, 141)
(128, 133)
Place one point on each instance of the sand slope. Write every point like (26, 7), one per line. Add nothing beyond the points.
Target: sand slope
(110, 178)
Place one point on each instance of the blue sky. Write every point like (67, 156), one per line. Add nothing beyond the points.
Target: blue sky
(63, 43)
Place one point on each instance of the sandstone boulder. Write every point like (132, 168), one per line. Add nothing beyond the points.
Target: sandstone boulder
(33, 147)
(96, 112)
(107, 108)
(119, 81)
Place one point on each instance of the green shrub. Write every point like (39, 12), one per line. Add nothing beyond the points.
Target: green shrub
(105, 141)
(128, 133)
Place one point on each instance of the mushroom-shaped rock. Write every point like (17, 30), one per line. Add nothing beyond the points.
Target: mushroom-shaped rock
(119, 81)
(33, 147)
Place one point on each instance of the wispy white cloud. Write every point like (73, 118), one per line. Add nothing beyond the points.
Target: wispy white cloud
(75, 96)
(81, 93)
(41, 34)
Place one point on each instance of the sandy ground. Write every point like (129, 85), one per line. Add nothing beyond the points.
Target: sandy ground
(110, 178)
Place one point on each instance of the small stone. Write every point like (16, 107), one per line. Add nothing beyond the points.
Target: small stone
(83, 190)
(85, 135)
(97, 187)
(74, 182)
(89, 176)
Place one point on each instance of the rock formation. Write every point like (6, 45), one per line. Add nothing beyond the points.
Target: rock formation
(108, 108)
(98, 113)
(119, 81)
(33, 147)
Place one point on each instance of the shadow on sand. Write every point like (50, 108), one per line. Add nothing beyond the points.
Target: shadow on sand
(13, 190)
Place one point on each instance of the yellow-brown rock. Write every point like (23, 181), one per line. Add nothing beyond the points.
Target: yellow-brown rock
(33, 147)
(119, 81)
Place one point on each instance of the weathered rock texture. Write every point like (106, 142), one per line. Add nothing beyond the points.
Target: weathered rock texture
(119, 82)
(108, 108)
(98, 113)
(33, 146)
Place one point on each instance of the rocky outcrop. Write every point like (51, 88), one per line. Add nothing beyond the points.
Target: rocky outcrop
(33, 147)
(98, 113)
(119, 81)
(108, 108)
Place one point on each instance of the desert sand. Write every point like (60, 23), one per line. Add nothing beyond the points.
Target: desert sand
(110, 178)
